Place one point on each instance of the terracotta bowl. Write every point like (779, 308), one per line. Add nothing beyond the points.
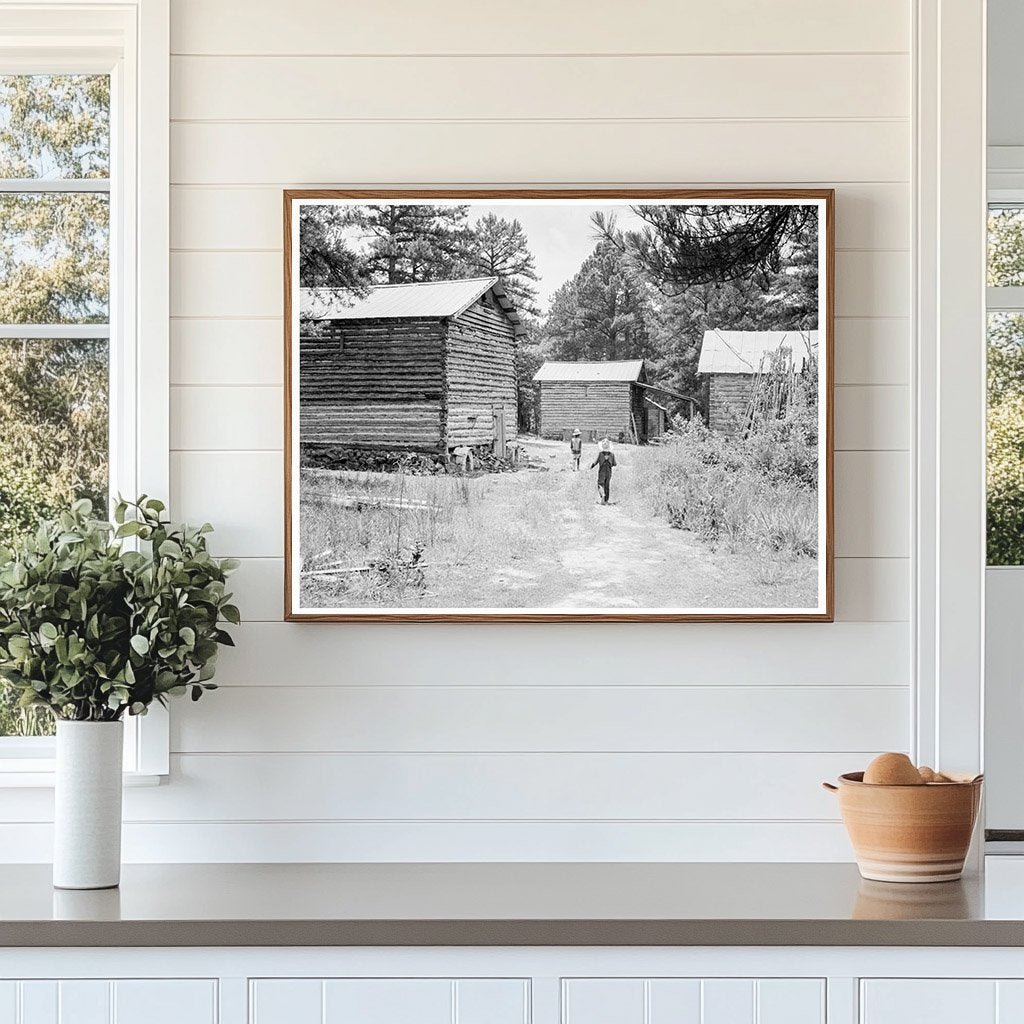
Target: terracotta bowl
(909, 833)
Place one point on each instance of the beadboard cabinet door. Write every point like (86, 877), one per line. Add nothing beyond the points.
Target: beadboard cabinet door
(388, 1000)
(693, 1001)
(941, 1001)
(103, 1001)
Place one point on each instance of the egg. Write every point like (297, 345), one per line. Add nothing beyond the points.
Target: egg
(893, 770)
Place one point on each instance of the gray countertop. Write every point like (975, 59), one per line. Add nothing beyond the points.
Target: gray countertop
(509, 904)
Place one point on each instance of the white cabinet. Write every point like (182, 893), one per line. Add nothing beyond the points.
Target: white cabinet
(942, 1001)
(388, 1001)
(102, 1001)
(693, 1001)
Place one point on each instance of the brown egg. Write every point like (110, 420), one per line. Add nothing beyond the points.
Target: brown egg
(928, 774)
(892, 770)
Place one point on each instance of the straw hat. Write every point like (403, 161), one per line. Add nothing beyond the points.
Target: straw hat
(576, 432)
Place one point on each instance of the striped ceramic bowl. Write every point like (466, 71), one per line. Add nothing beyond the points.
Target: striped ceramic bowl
(909, 833)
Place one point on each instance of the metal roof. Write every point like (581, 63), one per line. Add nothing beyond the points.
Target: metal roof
(623, 370)
(394, 301)
(746, 351)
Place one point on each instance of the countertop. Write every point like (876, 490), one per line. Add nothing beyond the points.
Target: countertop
(561, 904)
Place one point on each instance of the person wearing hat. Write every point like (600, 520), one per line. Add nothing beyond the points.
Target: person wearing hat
(576, 449)
(605, 461)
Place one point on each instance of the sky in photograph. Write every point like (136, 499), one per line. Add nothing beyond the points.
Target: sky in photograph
(561, 237)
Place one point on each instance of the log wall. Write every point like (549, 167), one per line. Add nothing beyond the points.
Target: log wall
(604, 407)
(727, 401)
(373, 384)
(480, 373)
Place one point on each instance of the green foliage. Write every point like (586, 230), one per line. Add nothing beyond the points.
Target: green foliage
(1005, 482)
(92, 630)
(498, 247)
(1006, 247)
(758, 492)
(1005, 540)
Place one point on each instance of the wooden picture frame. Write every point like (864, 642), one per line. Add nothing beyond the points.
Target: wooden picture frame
(822, 199)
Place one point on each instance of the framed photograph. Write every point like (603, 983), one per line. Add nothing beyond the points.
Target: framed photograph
(559, 405)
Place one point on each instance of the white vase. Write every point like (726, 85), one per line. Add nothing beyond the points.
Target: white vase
(87, 806)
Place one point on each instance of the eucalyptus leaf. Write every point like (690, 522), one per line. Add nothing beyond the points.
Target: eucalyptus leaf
(93, 631)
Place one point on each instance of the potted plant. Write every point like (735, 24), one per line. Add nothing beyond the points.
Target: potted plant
(99, 620)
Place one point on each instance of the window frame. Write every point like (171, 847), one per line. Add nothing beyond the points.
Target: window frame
(130, 41)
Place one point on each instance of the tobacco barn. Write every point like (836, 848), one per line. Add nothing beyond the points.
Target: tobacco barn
(734, 360)
(417, 367)
(605, 399)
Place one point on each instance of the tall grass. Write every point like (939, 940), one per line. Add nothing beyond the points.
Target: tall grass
(411, 535)
(759, 491)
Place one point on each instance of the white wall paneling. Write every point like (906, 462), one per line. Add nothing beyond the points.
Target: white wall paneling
(542, 151)
(700, 741)
(701, 87)
(732, 26)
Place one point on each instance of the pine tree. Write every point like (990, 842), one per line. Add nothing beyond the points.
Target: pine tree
(326, 258)
(604, 312)
(409, 243)
(499, 248)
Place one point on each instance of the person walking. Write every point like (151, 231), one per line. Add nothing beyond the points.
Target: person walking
(605, 461)
(576, 449)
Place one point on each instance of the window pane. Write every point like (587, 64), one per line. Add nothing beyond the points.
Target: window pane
(53, 449)
(1006, 439)
(1005, 246)
(54, 257)
(54, 126)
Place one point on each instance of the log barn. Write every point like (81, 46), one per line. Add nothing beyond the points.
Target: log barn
(732, 360)
(603, 399)
(423, 367)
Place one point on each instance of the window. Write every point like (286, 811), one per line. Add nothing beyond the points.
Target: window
(1005, 486)
(54, 308)
(84, 125)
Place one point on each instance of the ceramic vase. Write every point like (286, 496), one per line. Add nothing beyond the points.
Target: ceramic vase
(87, 807)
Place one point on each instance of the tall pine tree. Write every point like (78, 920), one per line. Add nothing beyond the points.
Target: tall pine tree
(499, 248)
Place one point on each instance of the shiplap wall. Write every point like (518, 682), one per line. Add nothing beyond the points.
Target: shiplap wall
(597, 742)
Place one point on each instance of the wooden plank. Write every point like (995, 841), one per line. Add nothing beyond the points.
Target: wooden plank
(730, 653)
(374, 719)
(233, 418)
(571, 152)
(872, 418)
(288, 88)
(872, 496)
(873, 350)
(239, 492)
(873, 283)
(731, 26)
(226, 352)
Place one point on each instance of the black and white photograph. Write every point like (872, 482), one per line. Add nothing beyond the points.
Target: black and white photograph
(567, 406)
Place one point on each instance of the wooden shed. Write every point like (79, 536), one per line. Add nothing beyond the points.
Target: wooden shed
(606, 399)
(418, 367)
(732, 361)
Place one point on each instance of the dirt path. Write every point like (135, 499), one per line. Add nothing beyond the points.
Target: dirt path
(536, 539)
(617, 556)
